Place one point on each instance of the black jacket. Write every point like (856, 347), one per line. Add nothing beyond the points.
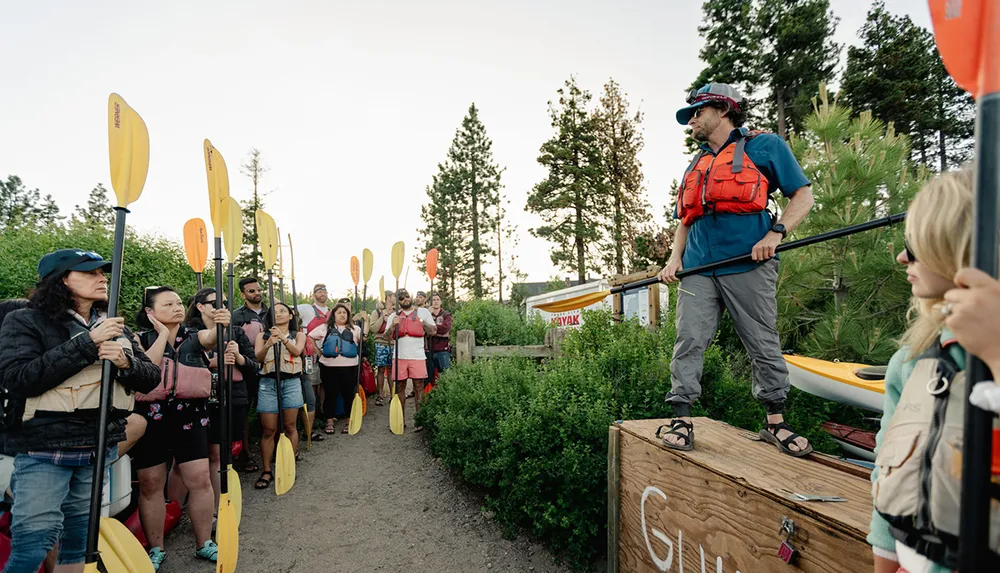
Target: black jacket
(36, 355)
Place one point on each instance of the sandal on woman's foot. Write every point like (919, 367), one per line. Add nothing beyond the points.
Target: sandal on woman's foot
(298, 456)
(156, 557)
(209, 551)
(250, 466)
(317, 437)
(330, 428)
(264, 482)
(770, 434)
(346, 429)
(677, 427)
(379, 401)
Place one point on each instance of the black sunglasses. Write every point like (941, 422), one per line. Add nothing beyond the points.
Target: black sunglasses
(909, 252)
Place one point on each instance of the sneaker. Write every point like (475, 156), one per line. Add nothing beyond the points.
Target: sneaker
(209, 551)
(156, 557)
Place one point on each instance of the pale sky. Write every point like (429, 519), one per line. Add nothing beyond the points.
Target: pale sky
(352, 104)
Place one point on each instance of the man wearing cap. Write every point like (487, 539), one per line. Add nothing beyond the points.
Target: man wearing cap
(723, 205)
(408, 328)
(250, 317)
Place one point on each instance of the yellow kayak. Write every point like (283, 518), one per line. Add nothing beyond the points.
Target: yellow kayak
(860, 385)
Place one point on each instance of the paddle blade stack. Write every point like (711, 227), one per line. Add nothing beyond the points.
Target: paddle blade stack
(267, 236)
(196, 244)
(291, 256)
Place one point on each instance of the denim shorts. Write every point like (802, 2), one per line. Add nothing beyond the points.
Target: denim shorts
(383, 355)
(291, 395)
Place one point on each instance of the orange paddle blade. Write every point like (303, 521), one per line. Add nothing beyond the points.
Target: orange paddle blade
(967, 34)
(432, 263)
(355, 270)
(196, 244)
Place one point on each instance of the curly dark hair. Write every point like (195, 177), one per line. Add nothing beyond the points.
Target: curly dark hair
(193, 315)
(54, 299)
(148, 298)
(737, 117)
(293, 324)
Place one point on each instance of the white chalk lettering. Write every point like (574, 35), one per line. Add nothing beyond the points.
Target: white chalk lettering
(666, 563)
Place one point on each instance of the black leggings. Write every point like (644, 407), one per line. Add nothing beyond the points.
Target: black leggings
(338, 380)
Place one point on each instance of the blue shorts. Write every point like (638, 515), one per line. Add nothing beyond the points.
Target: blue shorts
(383, 355)
(291, 395)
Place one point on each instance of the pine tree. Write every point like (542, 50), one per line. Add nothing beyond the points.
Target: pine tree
(21, 207)
(797, 53)
(620, 139)
(443, 217)
(573, 199)
(731, 50)
(847, 299)
(470, 161)
(251, 260)
(898, 75)
(98, 212)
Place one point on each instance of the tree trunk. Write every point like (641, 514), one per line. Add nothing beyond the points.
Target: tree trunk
(780, 108)
(499, 262)
(477, 279)
(619, 257)
(580, 261)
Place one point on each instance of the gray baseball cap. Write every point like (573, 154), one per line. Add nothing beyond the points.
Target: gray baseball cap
(713, 92)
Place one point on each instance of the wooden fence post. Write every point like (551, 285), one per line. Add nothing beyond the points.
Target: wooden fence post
(554, 338)
(614, 483)
(464, 344)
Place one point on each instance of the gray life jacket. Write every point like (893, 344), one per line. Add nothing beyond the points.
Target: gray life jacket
(919, 483)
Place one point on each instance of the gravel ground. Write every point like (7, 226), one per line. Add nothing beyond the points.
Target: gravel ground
(364, 503)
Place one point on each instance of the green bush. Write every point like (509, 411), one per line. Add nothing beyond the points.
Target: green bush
(496, 324)
(536, 436)
(149, 261)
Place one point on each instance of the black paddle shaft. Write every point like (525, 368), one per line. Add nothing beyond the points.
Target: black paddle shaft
(974, 523)
(226, 408)
(839, 233)
(108, 374)
(277, 368)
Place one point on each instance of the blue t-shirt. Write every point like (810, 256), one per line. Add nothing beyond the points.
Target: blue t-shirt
(722, 236)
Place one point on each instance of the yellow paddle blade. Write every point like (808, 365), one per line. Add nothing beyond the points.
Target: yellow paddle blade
(120, 551)
(357, 414)
(367, 262)
(281, 254)
(364, 400)
(91, 567)
(232, 235)
(235, 493)
(196, 244)
(227, 536)
(396, 415)
(140, 158)
(291, 257)
(355, 270)
(309, 431)
(267, 237)
(284, 476)
(574, 303)
(381, 286)
(398, 252)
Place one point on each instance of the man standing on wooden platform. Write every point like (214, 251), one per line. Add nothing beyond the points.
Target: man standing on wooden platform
(723, 210)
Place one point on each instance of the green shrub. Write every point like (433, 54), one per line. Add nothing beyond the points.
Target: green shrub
(496, 324)
(536, 436)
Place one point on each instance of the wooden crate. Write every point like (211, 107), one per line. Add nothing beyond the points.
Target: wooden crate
(720, 507)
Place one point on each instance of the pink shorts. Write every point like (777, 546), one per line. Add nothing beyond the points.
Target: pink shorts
(416, 369)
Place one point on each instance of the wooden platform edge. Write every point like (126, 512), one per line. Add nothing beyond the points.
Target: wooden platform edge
(804, 509)
(614, 488)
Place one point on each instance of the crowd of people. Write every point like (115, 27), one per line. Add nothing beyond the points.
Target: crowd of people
(165, 411)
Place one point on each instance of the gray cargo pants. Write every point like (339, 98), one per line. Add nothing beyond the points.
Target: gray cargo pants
(752, 302)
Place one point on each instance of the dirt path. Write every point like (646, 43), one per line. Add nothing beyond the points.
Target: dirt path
(370, 502)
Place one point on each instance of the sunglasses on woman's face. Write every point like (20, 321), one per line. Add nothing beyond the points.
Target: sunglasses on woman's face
(909, 252)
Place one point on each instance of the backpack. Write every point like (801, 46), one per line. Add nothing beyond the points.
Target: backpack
(340, 345)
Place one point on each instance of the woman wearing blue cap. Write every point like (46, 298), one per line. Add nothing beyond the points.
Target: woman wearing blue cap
(50, 367)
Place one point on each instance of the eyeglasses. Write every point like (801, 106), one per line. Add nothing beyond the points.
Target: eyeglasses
(909, 252)
(252, 291)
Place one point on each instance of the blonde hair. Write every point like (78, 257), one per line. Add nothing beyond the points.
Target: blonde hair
(939, 233)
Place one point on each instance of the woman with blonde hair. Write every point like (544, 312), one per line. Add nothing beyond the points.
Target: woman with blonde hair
(914, 527)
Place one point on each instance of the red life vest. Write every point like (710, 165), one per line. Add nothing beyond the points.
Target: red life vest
(410, 325)
(725, 183)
